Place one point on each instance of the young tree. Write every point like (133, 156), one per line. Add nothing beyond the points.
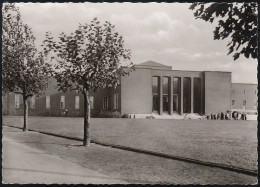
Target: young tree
(23, 70)
(235, 20)
(88, 59)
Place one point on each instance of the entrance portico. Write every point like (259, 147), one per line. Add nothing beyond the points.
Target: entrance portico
(177, 94)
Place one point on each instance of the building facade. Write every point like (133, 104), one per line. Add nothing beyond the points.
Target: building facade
(152, 88)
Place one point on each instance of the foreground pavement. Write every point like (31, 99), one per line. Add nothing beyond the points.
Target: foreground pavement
(37, 158)
(24, 165)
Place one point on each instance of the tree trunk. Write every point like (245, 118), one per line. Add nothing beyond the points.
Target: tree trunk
(25, 113)
(86, 141)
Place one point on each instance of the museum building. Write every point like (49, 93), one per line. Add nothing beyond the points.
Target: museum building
(152, 88)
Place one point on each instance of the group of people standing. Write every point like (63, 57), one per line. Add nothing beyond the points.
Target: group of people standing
(227, 116)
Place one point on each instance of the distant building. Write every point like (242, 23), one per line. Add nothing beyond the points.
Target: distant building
(151, 88)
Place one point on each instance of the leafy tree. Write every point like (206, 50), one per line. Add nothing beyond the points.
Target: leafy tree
(23, 70)
(86, 60)
(235, 20)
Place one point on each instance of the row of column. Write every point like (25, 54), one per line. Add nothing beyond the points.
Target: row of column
(180, 94)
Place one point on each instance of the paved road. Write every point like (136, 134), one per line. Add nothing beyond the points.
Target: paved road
(23, 165)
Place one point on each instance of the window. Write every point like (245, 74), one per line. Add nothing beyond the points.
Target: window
(77, 102)
(62, 102)
(105, 103)
(32, 102)
(115, 101)
(197, 95)
(186, 95)
(233, 91)
(244, 91)
(91, 98)
(176, 85)
(48, 106)
(176, 89)
(155, 92)
(244, 103)
(156, 85)
(166, 94)
(233, 102)
(16, 101)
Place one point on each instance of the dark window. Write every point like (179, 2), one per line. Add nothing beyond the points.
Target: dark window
(165, 85)
(233, 102)
(244, 103)
(197, 95)
(155, 85)
(175, 85)
(166, 94)
(186, 95)
(175, 103)
(176, 91)
(156, 90)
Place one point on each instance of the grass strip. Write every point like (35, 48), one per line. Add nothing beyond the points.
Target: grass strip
(162, 155)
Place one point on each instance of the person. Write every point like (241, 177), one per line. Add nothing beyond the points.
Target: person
(227, 116)
(242, 116)
(239, 116)
(234, 115)
(218, 116)
(221, 115)
(66, 112)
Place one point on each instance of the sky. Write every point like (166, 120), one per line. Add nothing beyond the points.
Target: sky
(166, 33)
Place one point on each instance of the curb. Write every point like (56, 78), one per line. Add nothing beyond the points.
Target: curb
(162, 155)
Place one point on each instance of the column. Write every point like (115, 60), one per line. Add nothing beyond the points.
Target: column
(161, 95)
(192, 94)
(171, 96)
(181, 112)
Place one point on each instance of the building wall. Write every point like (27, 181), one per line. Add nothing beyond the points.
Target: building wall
(4, 104)
(9, 105)
(99, 100)
(55, 109)
(136, 92)
(217, 92)
(244, 92)
(135, 95)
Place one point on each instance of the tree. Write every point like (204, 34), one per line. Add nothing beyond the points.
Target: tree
(86, 60)
(235, 20)
(23, 70)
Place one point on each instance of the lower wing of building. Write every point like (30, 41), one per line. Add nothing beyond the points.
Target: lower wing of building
(152, 88)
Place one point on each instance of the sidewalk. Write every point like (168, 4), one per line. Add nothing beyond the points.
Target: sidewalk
(24, 165)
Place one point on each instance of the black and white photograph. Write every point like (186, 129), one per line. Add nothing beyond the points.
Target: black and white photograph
(130, 93)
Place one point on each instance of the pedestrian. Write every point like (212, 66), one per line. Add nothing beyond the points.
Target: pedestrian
(222, 116)
(227, 115)
(66, 112)
(239, 116)
(218, 116)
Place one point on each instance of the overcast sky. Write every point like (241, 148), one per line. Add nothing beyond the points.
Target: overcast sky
(166, 33)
